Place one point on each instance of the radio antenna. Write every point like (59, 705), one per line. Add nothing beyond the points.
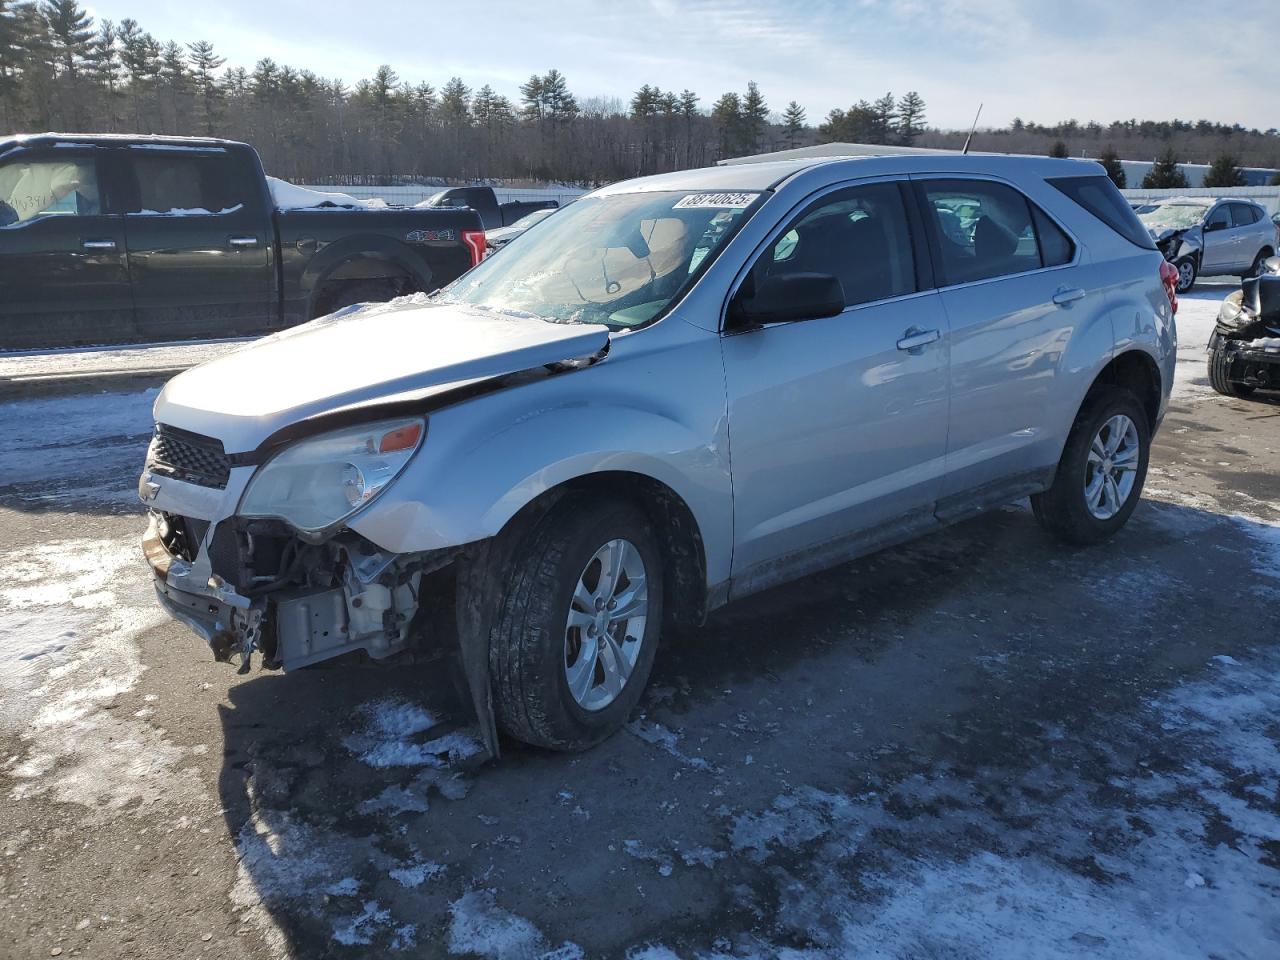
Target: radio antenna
(969, 139)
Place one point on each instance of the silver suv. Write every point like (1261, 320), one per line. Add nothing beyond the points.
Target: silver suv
(1202, 236)
(676, 392)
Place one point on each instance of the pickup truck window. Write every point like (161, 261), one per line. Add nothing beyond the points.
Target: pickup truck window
(618, 260)
(46, 188)
(193, 183)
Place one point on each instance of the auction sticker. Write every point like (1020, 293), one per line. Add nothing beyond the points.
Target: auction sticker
(720, 201)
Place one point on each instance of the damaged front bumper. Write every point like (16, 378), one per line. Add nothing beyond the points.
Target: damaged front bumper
(250, 586)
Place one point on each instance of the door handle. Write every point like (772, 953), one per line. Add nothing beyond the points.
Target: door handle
(98, 244)
(243, 241)
(914, 338)
(1065, 296)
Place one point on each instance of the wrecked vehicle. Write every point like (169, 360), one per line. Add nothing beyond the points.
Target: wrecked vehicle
(1244, 349)
(1202, 236)
(676, 392)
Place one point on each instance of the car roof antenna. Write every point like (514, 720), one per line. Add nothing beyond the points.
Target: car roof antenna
(969, 139)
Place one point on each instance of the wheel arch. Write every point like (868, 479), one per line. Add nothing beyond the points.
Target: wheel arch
(361, 258)
(678, 535)
(1135, 370)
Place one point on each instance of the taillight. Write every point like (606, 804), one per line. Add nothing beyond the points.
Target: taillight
(474, 239)
(1169, 277)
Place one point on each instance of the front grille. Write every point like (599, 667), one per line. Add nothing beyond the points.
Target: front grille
(188, 456)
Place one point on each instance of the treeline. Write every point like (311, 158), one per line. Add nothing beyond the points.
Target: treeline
(59, 70)
(1200, 141)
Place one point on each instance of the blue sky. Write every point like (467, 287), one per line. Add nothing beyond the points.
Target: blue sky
(1046, 60)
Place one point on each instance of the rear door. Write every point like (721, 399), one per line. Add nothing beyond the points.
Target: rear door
(1253, 233)
(63, 275)
(200, 242)
(1011, 294)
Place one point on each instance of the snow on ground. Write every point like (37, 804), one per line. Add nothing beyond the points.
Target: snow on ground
(71, 613)
(1197, 313)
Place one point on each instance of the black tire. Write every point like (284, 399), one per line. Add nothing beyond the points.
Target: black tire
(1258, 261)
(1188, 270)
(1220, 370)
(357, 291)
(532, 701)
(1062, 509)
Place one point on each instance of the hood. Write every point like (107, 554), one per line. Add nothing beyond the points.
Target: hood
(384, 351)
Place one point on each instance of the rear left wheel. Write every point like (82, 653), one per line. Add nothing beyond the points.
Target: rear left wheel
(576, 636)
(1102, 470)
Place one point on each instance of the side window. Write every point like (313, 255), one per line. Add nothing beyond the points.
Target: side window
(986, 230)
(1220, 219)
(52, 187)
(185, 184)
(1243, 215)
(859, 236)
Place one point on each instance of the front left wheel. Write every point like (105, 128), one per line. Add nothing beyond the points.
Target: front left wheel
(578, 627)
(1102, 470)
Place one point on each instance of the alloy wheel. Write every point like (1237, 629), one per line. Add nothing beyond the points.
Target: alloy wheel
(606, 624)
(1112, 467)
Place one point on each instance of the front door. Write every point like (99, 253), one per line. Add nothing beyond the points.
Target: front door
(838, 425)
(63, 275)
(1219, 243)
(200, 243)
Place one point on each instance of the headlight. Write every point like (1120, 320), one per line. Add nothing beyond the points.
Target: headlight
(316, 483)
(1230, 313)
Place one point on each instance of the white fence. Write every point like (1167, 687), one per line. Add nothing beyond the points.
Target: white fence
(1269, 197)
(407, 195)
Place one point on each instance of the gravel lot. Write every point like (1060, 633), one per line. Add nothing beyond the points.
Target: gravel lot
(981, 745)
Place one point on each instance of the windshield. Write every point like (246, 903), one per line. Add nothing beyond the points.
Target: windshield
(618, 260)
(1176, 215)
(529, 220)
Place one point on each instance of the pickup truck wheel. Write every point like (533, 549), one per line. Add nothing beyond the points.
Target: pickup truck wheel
(364, 291)
(575, 638)
(1102, 470)
(1187, 272)
(1220, 370)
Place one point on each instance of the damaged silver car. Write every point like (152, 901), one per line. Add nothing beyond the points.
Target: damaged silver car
(1202, 236)
(1244, 350)
(674, 393)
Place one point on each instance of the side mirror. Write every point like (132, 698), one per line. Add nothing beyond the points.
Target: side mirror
(1215, 225)
(786, 297)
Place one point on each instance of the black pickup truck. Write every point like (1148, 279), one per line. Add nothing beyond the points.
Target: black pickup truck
(485, 202)
(108, 239)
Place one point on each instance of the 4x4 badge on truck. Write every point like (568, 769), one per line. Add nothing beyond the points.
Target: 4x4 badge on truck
(422, 236)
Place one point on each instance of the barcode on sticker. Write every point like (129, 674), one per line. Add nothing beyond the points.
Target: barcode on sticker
(723, 201)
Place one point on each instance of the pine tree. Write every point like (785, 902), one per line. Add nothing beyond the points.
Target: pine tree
(1059, 150)
(455, 103)
(793, 123)
(726, 114)
(884, 117)
(204, 63)
(754, 117)
(1224, 172)
(910, 117)
(71, 35)
(531, 98)
(1110, 161)
(560, 105)
(1165, 174)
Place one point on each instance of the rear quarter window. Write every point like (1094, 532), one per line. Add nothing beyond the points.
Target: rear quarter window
(1099, 196)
